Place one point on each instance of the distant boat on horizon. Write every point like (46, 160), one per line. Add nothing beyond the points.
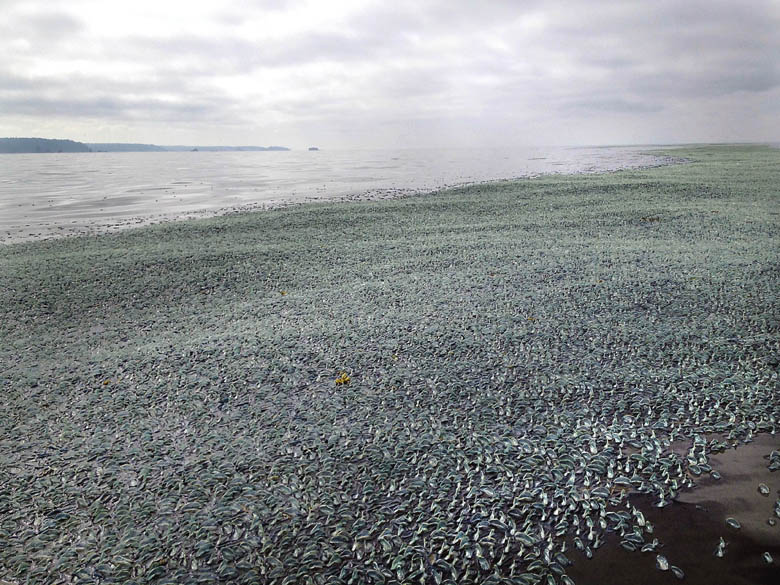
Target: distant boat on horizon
(313, 148)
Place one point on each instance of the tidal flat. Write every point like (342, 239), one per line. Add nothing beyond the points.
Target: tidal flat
(480, 385)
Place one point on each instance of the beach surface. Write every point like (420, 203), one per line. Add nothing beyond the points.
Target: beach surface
(445, 388)
(692, 526)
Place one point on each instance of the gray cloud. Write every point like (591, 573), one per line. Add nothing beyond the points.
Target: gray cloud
(43, 27)
(280, 70)
(117, 108)
(242, 56)
(616, 105)
(55, 24)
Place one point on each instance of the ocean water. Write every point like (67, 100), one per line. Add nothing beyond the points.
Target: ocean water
(50, 195)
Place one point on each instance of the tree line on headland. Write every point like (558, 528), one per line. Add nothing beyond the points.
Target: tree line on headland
(8, 145)
(33, 145)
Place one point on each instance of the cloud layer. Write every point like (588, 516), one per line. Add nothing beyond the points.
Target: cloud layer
(389, 74)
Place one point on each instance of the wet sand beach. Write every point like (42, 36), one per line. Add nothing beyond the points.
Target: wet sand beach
(691, 528)
(435, 389)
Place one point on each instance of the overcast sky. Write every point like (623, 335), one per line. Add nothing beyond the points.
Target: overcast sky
(391, 73)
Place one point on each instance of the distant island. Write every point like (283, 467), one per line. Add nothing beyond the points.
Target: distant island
(35, 145)
(223, 148)
(313, 148)
(19, 145)
(123, 147)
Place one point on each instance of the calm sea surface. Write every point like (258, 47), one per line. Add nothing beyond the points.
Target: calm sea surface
(46, 195)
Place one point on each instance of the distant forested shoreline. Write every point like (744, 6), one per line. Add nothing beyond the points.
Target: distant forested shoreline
(27, 145)
(43, 145)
